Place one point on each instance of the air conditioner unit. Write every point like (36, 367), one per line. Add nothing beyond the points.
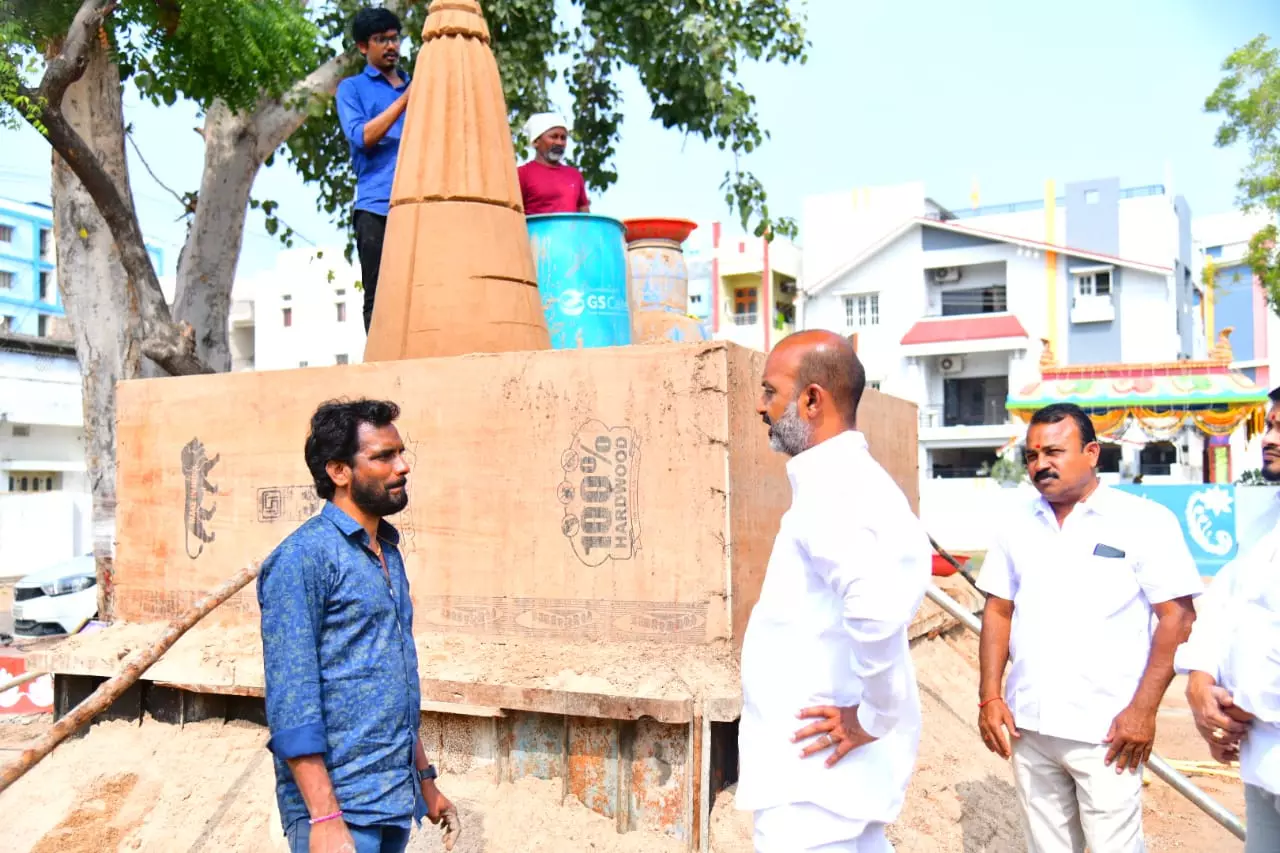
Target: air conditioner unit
(945, 275)
(950, 363)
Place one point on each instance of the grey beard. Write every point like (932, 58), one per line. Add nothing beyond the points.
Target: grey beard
(555, 156)
(789, 434)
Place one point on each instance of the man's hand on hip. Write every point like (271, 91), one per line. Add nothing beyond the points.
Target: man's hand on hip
(1131, 737)
(994, 719)
(332, 836)
(440, 810)
(835, 727)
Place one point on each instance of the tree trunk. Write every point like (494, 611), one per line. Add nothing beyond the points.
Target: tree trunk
(106, 327)
(207, 268)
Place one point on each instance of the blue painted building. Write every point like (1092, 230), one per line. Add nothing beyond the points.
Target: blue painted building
(30, 302)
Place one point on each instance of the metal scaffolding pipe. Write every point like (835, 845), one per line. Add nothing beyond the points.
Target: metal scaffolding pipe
(1157, 765)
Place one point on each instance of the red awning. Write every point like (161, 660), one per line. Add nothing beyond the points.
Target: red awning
(974, 328)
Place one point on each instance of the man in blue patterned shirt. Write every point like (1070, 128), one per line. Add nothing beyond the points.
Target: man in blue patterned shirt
(342, 691)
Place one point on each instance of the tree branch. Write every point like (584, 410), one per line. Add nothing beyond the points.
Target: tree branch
(168, 345)
(275, 120)
(73, 57)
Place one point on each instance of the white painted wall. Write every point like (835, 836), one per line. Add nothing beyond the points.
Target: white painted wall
(897, 274)
(1149, 230)
(315, 336)
(39, 530)
(1148, 318)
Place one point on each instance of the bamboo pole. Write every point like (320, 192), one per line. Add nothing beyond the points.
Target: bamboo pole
(21, 680)
(139, 662)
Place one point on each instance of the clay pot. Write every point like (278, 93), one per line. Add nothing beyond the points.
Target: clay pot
(658, 282)
(457, 275)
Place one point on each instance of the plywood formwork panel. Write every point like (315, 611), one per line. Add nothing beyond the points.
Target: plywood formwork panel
(611, 494)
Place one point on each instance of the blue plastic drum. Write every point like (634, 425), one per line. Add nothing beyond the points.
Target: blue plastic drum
(581, 262)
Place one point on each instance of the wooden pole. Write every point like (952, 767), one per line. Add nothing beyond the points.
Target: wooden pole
(138, 663)
(21, 680)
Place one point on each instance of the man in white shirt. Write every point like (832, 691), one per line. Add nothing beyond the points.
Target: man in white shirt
(827, 641)
(1232, 663)
(1073, 580)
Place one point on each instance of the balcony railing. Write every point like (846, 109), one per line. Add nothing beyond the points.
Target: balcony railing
(933, 417)
(746, 319)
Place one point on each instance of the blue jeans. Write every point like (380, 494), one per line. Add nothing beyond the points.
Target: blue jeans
(369, 839)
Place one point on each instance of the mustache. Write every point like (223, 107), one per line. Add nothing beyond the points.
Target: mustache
(399, 484)
(1046, 474)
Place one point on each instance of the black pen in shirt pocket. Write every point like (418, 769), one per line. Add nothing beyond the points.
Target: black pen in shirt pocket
(1107, 551)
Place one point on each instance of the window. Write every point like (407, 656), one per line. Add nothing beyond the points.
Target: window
(288, 316)
(22, 430)
(746, 306)
(862, 311)
(342, 311)
(874, 383)
(1094, 284)
(46, 286)
(975, 300)
(340, 358)
(1157, 459)
(340, 292)
(286, 298)
(36, 481)
(695, 299)
(302, 364)
(975, 402)
(6, 233)
(1109, 459)
(45, 242)
(961, 462)
(42, 325)
(6, 280)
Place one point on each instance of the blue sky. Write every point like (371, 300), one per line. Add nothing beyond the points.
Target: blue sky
(1005, 91)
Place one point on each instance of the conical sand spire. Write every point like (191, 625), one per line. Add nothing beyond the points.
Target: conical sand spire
(457, 274)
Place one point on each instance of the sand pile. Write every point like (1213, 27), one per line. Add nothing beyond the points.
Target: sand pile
(209, 787)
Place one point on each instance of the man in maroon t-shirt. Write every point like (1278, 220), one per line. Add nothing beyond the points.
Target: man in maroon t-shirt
(546, 183)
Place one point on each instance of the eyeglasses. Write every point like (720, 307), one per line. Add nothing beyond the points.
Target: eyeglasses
(384, 39)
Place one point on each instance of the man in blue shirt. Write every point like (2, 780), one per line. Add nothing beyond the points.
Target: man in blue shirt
(342, 692)
(371, 111)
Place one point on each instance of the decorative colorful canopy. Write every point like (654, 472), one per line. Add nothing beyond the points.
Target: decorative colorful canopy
(1159, 398)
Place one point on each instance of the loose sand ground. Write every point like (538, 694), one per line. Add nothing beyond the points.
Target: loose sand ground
(209, 787)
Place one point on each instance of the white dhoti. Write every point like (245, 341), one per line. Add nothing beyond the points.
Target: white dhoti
(806, 828)
(1072, 801)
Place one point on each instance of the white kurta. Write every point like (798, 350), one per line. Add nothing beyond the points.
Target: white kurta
(849, 569)
(1236, 639)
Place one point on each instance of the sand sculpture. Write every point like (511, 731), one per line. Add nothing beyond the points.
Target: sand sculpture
(457, 274)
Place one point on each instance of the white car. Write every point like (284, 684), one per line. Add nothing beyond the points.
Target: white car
(56, 600)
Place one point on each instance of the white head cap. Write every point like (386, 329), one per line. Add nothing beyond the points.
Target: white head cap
(540, 123)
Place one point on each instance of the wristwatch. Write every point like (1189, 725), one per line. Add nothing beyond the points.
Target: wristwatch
(429, 772)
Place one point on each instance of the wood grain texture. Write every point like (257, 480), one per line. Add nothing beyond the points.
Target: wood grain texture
(624, 493)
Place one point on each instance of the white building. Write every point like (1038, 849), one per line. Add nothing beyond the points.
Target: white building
(45, 511)
(949, 308)
(307, 312)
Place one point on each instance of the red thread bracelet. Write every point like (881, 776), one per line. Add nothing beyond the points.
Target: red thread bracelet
(982, 705)
(313, 821)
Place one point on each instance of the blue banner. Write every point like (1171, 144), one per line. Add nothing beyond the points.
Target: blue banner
(1207, 514)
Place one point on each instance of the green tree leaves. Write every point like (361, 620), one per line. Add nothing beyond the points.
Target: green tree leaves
(687, 53)
(1249, 99)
